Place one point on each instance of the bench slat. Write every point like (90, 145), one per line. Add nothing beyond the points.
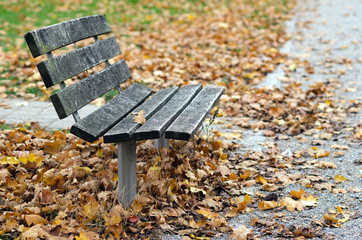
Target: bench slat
(65, 66)
(124, 130)
(100, 121)
(72, 98)
(186, 124)
(158, 123)
(47, 39)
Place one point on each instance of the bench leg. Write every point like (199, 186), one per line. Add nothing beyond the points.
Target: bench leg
(127, 180)
(161, 142)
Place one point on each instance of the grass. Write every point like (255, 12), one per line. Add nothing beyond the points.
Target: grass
(20, 16)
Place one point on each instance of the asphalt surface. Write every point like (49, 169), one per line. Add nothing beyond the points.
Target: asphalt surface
(322, 32)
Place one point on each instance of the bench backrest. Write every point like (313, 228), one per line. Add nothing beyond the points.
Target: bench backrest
(57, 69)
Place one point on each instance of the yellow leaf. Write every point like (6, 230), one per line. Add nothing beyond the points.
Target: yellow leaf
(90, 209)
(265, 205)
(333, 218)
(223, 156)
(7, 160)
(99, 153)
(32, 158)
(86, 169)
(339, 209)
(247, 199)
(139, 118)
(297, 194)
(115, 178)
(199, 238)
(23, 160)
(207, 213)
(245, 175)
(232, 176)
(261, 180)
(339, 178)
(82, 236)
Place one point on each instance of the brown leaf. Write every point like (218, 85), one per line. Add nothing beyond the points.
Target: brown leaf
(291, 204)
(139, 118)
(207, 213)
(35, 219)
(36, 232)
(46, 197)
(241, 233)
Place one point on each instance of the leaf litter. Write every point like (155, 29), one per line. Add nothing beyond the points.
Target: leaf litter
(54, 185)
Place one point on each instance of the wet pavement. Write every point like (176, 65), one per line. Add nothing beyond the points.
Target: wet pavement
(18, 111)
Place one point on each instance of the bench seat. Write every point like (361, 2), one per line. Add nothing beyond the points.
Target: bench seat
(173, 113)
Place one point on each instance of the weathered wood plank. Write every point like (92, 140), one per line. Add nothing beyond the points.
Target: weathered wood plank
(100, 121)
(187, 123)
(158, 123)
(47, 39)
(65, 66)
(70, 99)
(123, 131)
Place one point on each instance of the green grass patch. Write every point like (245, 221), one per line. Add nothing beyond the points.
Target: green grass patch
(110, 95)
(21, 16)
(34, 90)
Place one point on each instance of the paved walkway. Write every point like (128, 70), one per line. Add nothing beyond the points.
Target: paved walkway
(20, 111)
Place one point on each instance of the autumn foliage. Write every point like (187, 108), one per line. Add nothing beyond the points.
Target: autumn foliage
(54, 185)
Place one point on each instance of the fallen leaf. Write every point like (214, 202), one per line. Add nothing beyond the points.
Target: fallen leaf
(322, 164)
(260, 179)
(241, 233)
(139, 118)
(291, 204)
(339, 178)
(266, 205)
(35, 219)
(207, 213)
(82, 236)
(297, 194)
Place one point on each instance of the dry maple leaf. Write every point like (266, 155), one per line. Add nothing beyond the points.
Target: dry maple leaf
(139, 118)
(309, 201)
(36, 232)
(207, 213)
(291, 204)
(241, 233)
(35, 219)
(340, 178)
(297, 194)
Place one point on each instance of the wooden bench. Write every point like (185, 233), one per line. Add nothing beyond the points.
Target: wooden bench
(170, 113)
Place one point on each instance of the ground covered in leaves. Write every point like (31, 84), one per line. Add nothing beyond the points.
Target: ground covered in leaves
(55, 186)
